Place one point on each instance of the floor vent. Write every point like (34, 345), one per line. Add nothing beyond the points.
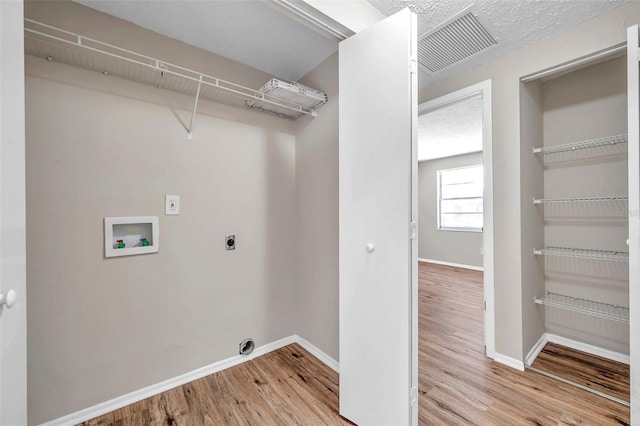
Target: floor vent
(459, 39)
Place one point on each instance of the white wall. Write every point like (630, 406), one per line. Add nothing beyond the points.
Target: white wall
(100, 146)
(447, 246)
(594, 35)
(317, 209)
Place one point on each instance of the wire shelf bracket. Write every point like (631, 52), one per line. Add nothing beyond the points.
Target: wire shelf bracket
(584, 306)
(285, 100)
(590, 143)
(620, 256)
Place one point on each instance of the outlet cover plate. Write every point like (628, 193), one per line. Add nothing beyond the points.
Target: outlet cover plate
(172, 204)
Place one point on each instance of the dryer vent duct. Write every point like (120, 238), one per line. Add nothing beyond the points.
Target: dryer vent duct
(246, 346)
(452, 42)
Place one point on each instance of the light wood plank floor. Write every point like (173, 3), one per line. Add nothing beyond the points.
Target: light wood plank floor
(458, 384)
(597, 373)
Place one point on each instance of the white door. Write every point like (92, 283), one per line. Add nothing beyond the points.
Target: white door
(13, 321)
(378, 257)
(633, 99)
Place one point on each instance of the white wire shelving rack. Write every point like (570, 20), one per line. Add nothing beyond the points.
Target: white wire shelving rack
(286, 100)
(590, 143)
(619, 256)
(579, 199)
(584, 306)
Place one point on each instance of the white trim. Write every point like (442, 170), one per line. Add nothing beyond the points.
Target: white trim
(136, 396)
(576, 64)
(590, 349)
(508, 361)
(313, 350)
(536, 349)
(457, 265)
(487, 160)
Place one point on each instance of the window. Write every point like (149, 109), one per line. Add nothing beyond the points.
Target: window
(460, 199)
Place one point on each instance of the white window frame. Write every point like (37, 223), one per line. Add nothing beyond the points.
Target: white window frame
(439, 201)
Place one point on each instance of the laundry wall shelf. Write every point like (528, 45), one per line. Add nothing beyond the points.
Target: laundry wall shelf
(585, 306)
(283, 99)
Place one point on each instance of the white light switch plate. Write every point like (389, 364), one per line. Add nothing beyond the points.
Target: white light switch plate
(172, 204)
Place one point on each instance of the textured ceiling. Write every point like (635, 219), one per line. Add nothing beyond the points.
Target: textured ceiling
(256, 34)
(515, 23)
(454, 129)
(250, 32)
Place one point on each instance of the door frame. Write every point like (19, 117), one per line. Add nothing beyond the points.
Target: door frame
(484, 89)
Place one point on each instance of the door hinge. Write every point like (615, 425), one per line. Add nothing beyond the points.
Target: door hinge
(413, 66)
(485, 305)
(413, 396)
(413, 230)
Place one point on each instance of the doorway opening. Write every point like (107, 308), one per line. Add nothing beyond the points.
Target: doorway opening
(455, 188)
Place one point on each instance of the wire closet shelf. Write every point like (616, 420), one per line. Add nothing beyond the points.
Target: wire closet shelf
(579, 199)
(286, 100)
(585, 306)
(590, 143)
(620, 256)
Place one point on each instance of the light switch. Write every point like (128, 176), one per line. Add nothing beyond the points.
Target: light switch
(172, 205)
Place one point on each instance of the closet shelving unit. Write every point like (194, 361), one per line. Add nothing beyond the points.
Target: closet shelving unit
(582, 306)
(283, 99)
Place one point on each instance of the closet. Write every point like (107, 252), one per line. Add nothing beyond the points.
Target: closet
(580, 211)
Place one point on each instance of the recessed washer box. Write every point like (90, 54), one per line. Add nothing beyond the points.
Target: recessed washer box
(126, 236)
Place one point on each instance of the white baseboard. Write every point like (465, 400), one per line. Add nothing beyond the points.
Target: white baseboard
(457, 265)
(590, 349)
(509, 362)
(535, 351)
(313, 350)
(135, 396)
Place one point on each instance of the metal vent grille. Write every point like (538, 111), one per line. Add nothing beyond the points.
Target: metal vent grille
(457, 40)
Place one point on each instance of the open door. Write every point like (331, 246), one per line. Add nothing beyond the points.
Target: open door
(378, 213)
(13, 320)
(633, 99)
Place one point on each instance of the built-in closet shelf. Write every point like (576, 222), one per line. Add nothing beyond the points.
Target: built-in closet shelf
(287, 100)
(590, 143)
(584, 306)
(620, 256)
(579, 199)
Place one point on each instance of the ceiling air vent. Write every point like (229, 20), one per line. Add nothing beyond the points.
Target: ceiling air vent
(454, 41)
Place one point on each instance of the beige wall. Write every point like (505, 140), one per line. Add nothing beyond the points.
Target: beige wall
(599, 33)
(100, 146)
(317, 209)
(531, 186)
(447, 246)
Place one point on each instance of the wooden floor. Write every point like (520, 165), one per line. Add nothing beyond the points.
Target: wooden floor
(458, 384)
(594, 372)
(285, 387)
